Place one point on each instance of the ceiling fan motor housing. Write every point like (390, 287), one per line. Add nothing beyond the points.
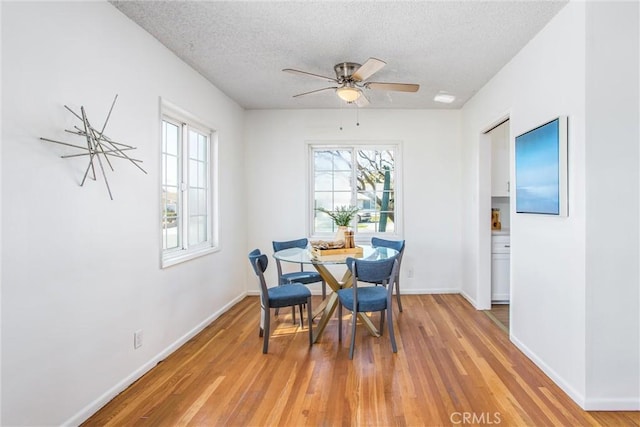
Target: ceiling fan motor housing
(345, 70)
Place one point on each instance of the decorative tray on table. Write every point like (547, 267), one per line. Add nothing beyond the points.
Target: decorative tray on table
(322, 248)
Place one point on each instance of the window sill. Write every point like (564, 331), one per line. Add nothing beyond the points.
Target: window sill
(184, 256)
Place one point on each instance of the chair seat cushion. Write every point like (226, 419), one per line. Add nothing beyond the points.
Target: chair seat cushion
(287, 295)
(302, 277)
(370, 298)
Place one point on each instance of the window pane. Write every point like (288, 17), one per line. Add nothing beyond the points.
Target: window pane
(170, 138)
(323, 200)
(193, 173)
(193, 144)
(342, 199)
(170, 170)
(324, 181)
(202, 175)
(202, 147)
(202, 229)
(342, 181)
(332, 160)
(197, 201)
(323, 223)
(197, 230)
(193, 202)
(193, 231)
(202, 201)
(170, 237)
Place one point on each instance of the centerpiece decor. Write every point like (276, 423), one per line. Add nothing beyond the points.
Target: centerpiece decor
(343, 217)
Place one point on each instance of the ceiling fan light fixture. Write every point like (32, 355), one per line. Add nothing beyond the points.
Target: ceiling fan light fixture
(348, 94)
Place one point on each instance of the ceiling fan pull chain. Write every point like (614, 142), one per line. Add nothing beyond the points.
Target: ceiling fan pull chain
(357, 115)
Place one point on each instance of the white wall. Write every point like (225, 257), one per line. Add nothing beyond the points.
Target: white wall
(545, 80)
(551, 319)
(81, 272)
(612, 149)
(277, 167)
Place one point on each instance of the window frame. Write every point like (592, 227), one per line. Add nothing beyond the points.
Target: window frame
(187, 121)
(359, 236)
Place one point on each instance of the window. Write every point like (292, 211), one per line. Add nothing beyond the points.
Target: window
(187, 196)
(363, 176)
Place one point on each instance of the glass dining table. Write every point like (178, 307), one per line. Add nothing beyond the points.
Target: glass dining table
(322, 265)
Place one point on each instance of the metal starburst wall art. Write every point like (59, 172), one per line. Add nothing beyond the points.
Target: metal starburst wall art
(99, 146)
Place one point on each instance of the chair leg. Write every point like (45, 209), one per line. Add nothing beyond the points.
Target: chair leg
(381, 322)
(309, 321)
(262, 316)
(324, 289)
(339, 320)
(398, 294)
(301, 318)
(267, 321)
(391, 333)
(293, 314)
(354, 319)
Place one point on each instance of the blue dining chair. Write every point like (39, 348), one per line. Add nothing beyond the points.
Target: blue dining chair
(361, 299)
(398, 245)
(288, 295)
(301, 276)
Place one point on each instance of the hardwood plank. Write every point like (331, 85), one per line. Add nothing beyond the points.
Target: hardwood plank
(499, 313)
(452, 362)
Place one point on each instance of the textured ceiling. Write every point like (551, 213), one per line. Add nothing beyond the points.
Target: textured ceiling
(241, 47)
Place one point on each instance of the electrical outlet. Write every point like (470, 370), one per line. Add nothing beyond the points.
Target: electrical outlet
(410, 273)
(137, 339)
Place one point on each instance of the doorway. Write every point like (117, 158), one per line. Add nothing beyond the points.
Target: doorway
(495, 220)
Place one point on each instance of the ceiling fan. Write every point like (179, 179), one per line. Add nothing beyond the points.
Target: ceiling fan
(351, 80)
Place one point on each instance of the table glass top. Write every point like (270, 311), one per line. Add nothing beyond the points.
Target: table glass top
(305, 256)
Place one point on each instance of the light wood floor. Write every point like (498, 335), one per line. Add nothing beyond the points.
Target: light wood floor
(499, 313)
(453, 364)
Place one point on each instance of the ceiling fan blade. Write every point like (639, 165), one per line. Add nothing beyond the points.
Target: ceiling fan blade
(398, 87)
(291, 70)
(314, 91)
(362, 100)
(367, 69)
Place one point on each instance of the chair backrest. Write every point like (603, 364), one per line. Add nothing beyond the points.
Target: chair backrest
(298, 243)
(288, 244)
(259, 262)
(373, 271)
(398, 245)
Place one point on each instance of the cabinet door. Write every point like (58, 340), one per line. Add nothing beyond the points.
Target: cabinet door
(500, 161)
(500, 289)
(500, 244)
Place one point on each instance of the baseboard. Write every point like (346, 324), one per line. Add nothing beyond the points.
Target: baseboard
(588, 404)
(468, 298)
(402, 291)
(550, 372)
(621, 404)
(94, 406)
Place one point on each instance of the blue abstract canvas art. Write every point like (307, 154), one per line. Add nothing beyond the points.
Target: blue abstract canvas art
(540, 156)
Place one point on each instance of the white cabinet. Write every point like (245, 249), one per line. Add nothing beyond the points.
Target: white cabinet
(500, 161)
(500, 260)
